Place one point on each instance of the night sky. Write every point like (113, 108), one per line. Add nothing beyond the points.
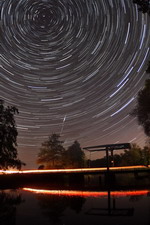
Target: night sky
(73, 67)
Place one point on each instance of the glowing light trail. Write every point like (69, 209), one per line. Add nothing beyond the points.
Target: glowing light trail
(88, 193)
(74, 170)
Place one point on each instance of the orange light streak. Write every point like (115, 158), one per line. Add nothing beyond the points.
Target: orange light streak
(88, 193)
(72, 170)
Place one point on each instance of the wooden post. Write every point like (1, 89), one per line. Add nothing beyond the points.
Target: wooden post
(112, 158)
(107, 159)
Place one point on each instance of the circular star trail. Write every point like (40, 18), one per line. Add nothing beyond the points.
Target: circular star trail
(73, 67)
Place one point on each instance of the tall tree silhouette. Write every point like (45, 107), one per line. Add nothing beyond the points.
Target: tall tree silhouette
(142, 109)
(8, 137)
(51, 152)
(75, 156)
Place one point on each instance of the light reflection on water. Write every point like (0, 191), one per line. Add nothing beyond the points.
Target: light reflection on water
(65, 207)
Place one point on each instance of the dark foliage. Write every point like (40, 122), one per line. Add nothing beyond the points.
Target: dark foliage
(75, 157)
(143, 5)
(8, 137)
(51, 152)
(54, 206)
(148, 68)
(103, 162)
(8, 203)
(134, 156)
(142, 110)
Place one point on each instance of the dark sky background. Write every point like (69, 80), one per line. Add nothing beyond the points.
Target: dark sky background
(73, 67)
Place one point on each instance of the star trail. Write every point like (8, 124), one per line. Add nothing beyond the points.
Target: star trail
(73, 67)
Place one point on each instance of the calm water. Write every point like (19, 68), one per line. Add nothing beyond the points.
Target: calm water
(43, 207)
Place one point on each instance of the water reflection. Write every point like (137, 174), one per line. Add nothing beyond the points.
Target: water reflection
(53, 206)
(105, 204)
(111, 209)
(89, 193)
(8, 202)
(65, 207)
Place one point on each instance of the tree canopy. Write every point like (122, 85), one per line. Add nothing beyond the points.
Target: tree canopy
(143, 5)
(54, 155)
(142, 109)
(75, 157)
(134, 156)
(51, 152)
(8, 137)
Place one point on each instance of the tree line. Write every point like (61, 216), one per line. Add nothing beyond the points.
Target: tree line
(132, 157)
(8, 138)
(54, 155)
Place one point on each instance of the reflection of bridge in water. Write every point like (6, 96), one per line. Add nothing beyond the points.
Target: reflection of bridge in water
(110, 210)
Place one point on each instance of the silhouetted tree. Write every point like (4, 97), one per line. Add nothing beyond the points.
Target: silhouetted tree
(146, 156)
(132, 157)
(8, 137)
(143, 5)
(135, 156)
(103, 161)
(54, 206)
(142, 109)
(75, 156)
(51, 152)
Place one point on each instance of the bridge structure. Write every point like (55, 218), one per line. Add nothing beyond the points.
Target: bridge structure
(84, 171)
(87, 171)
(109, 149)
(78, 175)
(85, 178)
